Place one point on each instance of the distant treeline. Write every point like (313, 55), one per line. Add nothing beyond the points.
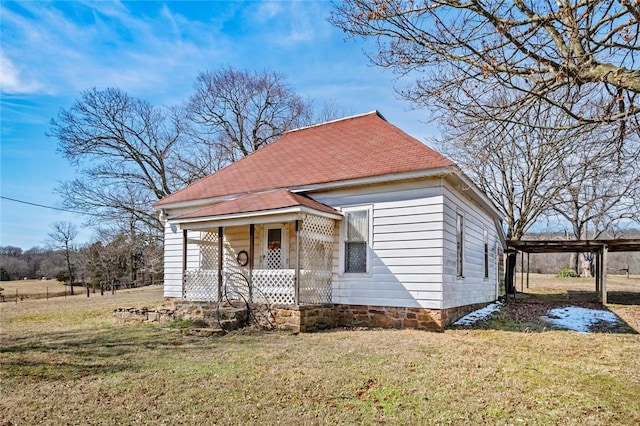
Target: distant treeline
(119, 260)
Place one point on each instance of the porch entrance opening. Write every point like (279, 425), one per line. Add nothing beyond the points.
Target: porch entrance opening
(275, 247)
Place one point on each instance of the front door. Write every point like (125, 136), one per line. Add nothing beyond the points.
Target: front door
(276, 247)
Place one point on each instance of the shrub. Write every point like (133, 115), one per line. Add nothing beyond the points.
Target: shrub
(62, 276)
(4, 275)
(567, 273)
(181, 323)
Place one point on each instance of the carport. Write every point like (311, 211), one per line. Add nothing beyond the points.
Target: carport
(600, 248)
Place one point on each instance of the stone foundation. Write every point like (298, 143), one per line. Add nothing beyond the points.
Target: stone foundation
(162, 316)
(304, 318)
(389, 317)
(309, 318)
(205, 313)
(232, 316)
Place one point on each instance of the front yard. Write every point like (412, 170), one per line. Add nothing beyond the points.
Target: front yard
(69, 363)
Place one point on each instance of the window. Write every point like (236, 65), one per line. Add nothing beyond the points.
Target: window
(460, 243)
(356, 240)
(486, 253)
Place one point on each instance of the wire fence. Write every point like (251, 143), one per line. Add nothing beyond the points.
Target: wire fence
(16, 295)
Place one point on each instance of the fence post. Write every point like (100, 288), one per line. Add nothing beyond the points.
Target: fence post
(16, 296)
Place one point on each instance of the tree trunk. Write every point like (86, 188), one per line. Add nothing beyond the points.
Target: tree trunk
(510, 272)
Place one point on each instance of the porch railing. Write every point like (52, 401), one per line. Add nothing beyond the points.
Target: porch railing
(275, 286)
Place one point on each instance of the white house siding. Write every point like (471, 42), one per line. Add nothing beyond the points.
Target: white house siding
(173, 259)
(406, 249)
(473, 287)
(413, 248)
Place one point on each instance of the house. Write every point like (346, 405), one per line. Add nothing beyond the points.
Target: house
(351, 222)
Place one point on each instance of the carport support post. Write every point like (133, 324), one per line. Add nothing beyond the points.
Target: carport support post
(597, 274)
(605, 249)
(509, 273)
(528, 269)
(220, 258)
(522, 272)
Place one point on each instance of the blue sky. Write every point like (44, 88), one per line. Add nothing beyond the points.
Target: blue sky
(51, 51)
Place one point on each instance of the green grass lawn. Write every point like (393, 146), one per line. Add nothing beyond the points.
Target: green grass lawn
(69, 362)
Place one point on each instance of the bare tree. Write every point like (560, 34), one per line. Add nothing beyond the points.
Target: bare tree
(133, 153)
(514, 163)
(237, 112)
(601, 187)
(62, 237)
(128, 149)
(577, 57)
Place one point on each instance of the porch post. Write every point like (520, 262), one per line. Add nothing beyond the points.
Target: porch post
(184, 263)
(220, 258)
(252, 235)
(297, 272)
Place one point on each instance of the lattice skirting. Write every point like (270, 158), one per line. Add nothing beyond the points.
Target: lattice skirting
(272, 286)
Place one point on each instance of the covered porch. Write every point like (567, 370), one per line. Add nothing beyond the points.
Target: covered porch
(274, 248)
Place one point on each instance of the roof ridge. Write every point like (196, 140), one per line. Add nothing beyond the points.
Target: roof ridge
(335, 120)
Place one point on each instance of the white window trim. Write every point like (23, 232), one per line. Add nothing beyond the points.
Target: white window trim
(343, 237)
(486, 255)
(460, 269)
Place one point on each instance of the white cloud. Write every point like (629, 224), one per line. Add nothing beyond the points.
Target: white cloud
(11, 81)
(268, 10)
(290, 23)
(73, 47)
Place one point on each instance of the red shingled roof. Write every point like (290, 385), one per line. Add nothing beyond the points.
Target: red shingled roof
(270, 200)
(351, 148)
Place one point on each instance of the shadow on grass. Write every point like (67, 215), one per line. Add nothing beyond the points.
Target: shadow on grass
(57, 370)
(623, 297)
(100, 343)
(84, 352)
(524, 314)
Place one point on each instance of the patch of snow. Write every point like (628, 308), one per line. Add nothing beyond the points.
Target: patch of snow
(579, 319)
(472, 317)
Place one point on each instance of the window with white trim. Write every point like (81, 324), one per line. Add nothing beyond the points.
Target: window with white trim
(486, 253)
(356, 239)
(460, 243)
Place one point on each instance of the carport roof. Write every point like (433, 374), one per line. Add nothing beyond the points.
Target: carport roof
(572, 246)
